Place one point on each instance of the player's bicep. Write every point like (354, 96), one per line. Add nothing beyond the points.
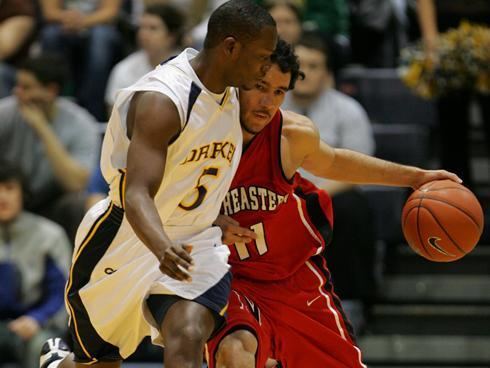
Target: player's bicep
(153, 122)
(319, 161)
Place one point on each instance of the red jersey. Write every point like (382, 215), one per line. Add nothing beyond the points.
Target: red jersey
(292, 218)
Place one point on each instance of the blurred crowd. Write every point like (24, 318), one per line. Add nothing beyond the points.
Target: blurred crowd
(61, 65)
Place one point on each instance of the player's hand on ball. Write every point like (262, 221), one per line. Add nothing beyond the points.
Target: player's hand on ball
(425, 176)
(233, 232)
(177, 262)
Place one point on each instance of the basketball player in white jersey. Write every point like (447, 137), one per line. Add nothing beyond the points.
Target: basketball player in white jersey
(147, 260)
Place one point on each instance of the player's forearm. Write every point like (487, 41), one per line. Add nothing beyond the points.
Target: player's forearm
(354, 167)
(143, 217)
(70, 174)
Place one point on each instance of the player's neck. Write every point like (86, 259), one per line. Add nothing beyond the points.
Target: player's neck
(247, 138)
(208, 72)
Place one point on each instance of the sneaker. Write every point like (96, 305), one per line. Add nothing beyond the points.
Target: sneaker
(53, 349)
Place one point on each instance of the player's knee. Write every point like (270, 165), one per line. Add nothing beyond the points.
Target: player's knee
(192, 335)
(237, 350)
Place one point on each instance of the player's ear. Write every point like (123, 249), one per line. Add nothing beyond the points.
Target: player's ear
(232, 47)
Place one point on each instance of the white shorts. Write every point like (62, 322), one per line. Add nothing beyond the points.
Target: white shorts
(112, 275)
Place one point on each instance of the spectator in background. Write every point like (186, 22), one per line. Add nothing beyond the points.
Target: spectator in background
(342, 123)
(84, 32)
(34, 261)
(328, 19)
(288, 20)
(16, 28)
(53, 141)
(159, 37)
(198, 32)
(379, 30)
(454, 108)
(193, 10)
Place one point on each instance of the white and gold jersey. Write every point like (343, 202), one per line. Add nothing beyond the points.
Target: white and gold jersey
(113, 272)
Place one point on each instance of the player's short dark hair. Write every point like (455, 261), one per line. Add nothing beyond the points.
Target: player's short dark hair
(171, 16)
(287, 61)
(11, 172)
(242, 19)
(312, 40)
(47, 68)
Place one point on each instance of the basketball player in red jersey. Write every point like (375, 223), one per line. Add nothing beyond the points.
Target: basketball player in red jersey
(282, 303)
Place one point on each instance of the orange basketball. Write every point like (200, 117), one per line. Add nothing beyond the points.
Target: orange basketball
(442, 221)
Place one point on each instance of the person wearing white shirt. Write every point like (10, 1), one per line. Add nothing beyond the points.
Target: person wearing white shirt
(159, 37)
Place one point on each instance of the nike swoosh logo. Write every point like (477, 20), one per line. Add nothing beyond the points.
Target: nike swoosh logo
(433, 243)
(310, 302)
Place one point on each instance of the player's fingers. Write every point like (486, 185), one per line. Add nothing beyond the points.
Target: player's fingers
(233, 238)
(167, 271)
(183, 257)
(242, 231)
(170, 261)
(453, 176)
(174, 271)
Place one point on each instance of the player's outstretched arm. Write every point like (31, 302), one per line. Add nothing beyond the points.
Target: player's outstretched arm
(153, 121)
(302, 147)
(354, 167)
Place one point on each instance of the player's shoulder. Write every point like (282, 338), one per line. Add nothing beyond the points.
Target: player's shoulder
(296, 126)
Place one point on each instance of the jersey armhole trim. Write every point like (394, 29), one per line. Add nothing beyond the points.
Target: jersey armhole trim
(279, 157)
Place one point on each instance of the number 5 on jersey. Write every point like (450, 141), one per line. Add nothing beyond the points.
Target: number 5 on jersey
(260, 243)
(201, 190)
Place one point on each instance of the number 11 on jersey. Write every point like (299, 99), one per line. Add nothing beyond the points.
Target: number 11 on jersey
(260, 242)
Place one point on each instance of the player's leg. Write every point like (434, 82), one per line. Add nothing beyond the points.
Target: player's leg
(310, 328)
(237, 350)
(185, 325)
(185, 329)
(244, 342)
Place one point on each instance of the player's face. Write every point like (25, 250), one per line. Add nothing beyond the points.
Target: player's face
(258, 105)
(255, 58)
(10, 200)
(153, 35)
(29, 90)
(288, 24)
(313, 64)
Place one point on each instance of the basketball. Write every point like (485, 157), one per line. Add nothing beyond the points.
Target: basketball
(442, 221)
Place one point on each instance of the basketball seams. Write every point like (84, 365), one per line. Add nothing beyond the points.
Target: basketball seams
(422, 243)
(407, 213)
(445, 231)
(454, 206)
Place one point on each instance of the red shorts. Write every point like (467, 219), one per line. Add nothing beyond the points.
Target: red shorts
(297, 321)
